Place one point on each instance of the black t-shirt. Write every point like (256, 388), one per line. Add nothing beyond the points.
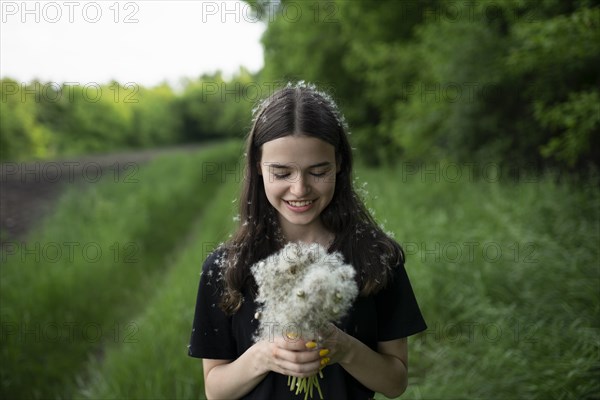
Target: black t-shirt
(392, 313)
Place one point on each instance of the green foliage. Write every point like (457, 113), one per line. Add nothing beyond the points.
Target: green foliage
(42, 120)
(313, 29)
(212, 107)
(87, 125)
(22, 135)
(155, 117)
(305, 41)
(559, 57)
(461, 81)
(443, 113)
(382, 61)
(578, 122)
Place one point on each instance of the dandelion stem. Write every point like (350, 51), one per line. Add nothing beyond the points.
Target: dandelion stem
(318, 386)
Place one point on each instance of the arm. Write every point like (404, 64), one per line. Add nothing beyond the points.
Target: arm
(218, 381)
(384, 371)
(226, 379)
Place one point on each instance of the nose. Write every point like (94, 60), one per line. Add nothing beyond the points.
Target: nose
(299, 186)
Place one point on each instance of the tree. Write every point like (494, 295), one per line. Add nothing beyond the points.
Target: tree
(21, 135)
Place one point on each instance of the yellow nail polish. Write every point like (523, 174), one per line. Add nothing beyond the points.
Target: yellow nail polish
(323, 352)
(324, 361)
(292, 335)
(311, 345)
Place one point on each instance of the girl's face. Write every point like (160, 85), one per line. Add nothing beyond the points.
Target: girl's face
(299, 178)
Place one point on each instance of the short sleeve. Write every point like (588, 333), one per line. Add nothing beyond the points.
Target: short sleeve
(211, 330)
(398, 312)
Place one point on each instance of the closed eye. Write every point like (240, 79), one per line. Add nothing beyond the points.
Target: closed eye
(279, 172)
(281, 176)
(320, 173)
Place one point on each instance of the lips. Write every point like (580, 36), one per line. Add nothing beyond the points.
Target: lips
(302, 203)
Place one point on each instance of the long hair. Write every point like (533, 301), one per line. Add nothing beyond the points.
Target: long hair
(303, 110)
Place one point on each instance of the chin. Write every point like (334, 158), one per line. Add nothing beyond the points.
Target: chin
(298, 220)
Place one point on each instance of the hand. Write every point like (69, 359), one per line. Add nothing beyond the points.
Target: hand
(334, 344)
(289, 356)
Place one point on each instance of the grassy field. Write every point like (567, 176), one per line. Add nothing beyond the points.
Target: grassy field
(507, 275)
(77, 287)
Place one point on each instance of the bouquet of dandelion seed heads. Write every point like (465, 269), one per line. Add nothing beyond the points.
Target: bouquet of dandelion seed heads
(301, 289)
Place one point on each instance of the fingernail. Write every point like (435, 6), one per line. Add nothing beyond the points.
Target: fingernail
(324, 361)
(292, 335)
(311, 345)
(323, 352)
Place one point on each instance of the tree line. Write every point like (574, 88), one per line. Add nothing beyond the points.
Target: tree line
(513, 82)
(48, 119)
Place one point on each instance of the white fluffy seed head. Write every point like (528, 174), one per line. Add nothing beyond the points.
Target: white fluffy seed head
(303, 287)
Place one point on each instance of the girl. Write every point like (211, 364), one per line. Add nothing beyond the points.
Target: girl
(298, 187)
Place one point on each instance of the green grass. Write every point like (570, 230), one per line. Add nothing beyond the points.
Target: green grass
(69, 292)
(157, 365)
(507, 276)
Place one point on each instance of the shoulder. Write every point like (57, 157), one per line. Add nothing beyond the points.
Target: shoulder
(388, 254)
(379, 243)
(213, 266)
(215, 259)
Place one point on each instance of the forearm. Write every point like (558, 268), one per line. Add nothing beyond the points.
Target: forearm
(235, 379)
(379, 372)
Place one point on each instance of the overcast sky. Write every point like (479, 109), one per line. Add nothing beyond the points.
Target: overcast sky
(144, 42)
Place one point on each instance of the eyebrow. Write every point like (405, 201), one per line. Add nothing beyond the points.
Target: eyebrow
(321, 164)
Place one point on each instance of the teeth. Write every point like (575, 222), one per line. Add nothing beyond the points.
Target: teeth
(299, 203)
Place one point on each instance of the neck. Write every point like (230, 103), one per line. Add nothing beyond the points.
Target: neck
(313, 233)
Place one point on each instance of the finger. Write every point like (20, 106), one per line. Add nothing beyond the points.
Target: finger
(296, 357)
(324, 352)
(299, 370)
(296, 344)
(295, 363)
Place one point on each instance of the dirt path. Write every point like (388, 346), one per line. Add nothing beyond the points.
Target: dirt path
(29, 190)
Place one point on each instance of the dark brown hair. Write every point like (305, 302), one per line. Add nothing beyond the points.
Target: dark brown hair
(303, 110)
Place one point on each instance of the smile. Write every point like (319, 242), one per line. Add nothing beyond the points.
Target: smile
(303, 203)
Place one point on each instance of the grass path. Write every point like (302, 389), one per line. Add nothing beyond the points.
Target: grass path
(30, 189)
(157, 364)
(70, 291)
